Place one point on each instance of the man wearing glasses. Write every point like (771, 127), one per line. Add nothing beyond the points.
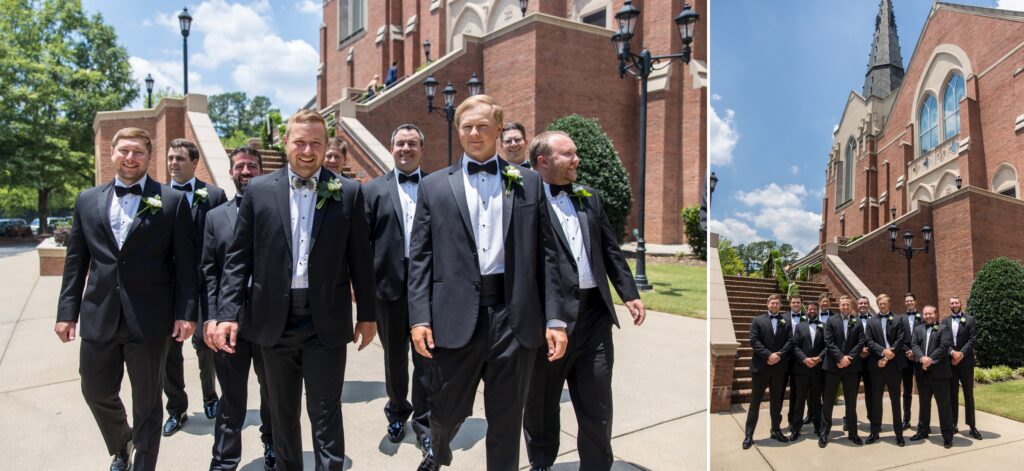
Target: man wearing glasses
(513, 144)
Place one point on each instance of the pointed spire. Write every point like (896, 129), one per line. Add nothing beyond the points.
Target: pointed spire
(885, 64)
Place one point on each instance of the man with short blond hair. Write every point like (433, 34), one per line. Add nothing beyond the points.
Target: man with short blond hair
(887, 340)
(844, 339)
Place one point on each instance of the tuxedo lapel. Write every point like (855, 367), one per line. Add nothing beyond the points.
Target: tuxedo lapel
(508, 199)
(281, 195)
(584, 217)
(558, 229)
(152, 189)
(320, 214)
(103, 202)
(195, 200)
(396, 201)
(459, 193)
(232, 210)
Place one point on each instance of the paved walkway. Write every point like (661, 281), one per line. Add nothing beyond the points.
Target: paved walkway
(659, 385)
(1003, 443)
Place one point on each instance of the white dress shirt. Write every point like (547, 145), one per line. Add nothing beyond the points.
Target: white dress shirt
(795, 316)
(813, 329)
(570, 222)
(188, 194)
(407, 194)
(775, 322)
(123, 209)
(955, 322)
(484, 200)
(927, 337)
(301, 204)
(885, 336)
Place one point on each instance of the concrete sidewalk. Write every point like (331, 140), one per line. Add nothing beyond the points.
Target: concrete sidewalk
(1003, 443)
(659, 386)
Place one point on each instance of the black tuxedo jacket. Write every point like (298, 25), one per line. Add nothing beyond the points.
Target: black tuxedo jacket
(387, 234)
(339, 262)
(602, 249)
(764, 343)
(895, 331)
(200, 209)
(151, 278)
(219, 231)
(963, 342)
(444, 290)
(837, 345)
(938, 350)
(803, 348)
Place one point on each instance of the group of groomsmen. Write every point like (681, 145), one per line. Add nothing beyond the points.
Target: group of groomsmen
(814, 350)
(489, 270)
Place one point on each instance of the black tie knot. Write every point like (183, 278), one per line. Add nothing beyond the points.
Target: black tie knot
(490, 167)
(775, 316)
(556, 189)
(186, 187)
(414, 178)
(135, 189)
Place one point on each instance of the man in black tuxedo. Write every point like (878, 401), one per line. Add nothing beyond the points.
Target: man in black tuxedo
(182, 159)
(824, 303)
(932, 342)
(864, 376)
(961, 361)
(233, 368)
(886, 339)
(479, 307)
(772, 342)
(794, 318)
(130, 250)
(809, 350)
(911, 319)
(302, 237)
(844, 340)
(589, 256)
(390, 209)
(514, 145)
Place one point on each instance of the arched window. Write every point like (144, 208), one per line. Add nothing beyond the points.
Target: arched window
(848, 165)
(951, 106)
(929, 124)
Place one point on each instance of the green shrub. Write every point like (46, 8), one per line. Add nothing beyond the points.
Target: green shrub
(600, 167)
(997, 304)
(696, 236)
(729, 258)
(994, 374)
(1019, 372)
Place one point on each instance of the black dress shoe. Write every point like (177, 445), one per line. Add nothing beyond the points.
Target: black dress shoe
(396, 431)
(905, 425)
(845, 428)
(210, 408)
(425, 446)
(538, 468)
(947, 443)
(856, 440)
(748, 442)
(269, 457)
(900, 441)
(778, 436)
(794, 435)
(822, 441)
(174, 424)
(872, 438)
(975, 433)
(123, 459)
(918, 436)
(428, 464)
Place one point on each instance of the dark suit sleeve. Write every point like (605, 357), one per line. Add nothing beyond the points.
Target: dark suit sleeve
(945, 345)
(219, 198)
(238, 263)
(830, 339)
(185, 273)
(76, 268)
(968, 348)
(210, 269)
(618, 269)
(787, 347)
(917, 344)
(755, 341)
(861, 339)
(554, 308)
(421, 260)
(874, 346)
(360, 261)
(899, 345)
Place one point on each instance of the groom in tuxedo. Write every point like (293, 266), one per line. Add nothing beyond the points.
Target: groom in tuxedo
(961, 361)
(887, 340)
(589, 257)
(130, 250)
(772, 342)
(478, 308)
(932, 343)
(844, 339)
(302, 237)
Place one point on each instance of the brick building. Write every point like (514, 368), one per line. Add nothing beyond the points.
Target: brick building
(938, 142)
(554, 60)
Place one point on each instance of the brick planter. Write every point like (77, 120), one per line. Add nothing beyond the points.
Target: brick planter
(51, 258)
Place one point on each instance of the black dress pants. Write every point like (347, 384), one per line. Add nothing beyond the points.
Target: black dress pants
(233, 375)
(850, 383)
(808, 394)
(587, 366)
(174, 383)
(962, 376)
(939, 388)
(908, 390)
(300, 359)
(102, 366)
(393, 331)
(775, 381)
(889, 378)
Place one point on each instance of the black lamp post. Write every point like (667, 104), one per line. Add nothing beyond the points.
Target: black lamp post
(908, 250)
(426, 49)
(475, 87)
(149, 91)
(185, 22)
(522, 6)
(641, 66)
(959, 181)
(714, 183)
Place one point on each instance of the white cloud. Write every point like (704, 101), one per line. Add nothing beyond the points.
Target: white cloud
(168, 74)
(736, 231)
(715, 97)
(309, 6)
(791, 225)
(794, 170)
(745, 215)
(777, 210)
(1010, 4)
(773, 195)
(724, 137)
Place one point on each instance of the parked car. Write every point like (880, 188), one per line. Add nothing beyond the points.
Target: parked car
(14, 227)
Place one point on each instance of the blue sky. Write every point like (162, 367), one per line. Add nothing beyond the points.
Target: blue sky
(781, 72)
(260, 47)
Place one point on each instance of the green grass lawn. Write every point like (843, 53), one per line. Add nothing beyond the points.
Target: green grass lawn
(1002, 399)
(678, 289)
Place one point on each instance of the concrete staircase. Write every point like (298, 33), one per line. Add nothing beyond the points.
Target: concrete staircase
(747, 299)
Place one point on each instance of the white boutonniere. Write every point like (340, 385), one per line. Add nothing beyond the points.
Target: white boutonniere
(200, 196)
(330, 191)
(579, 192)
(151, 204)
(782, 321)
(512, 175)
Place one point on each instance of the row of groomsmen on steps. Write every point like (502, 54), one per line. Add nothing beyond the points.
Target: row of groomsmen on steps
(814, 350)
(146, 260)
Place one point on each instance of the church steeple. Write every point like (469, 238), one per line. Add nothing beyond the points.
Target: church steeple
(885, 64)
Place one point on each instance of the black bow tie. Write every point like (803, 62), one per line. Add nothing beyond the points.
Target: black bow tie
(775, 316)
(865, 316)
(912, 313)
(135, 189)
(526, 164)
(815, 322)
(490, 167)
(186, 187)
(238, 200)
(299, 183)
(556, 189)
(414, 178)
(957, 316)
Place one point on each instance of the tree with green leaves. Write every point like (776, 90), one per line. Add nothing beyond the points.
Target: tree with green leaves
(754, 254)
(234, 114)
(600, 167)
(729, 258)
(58, 67)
